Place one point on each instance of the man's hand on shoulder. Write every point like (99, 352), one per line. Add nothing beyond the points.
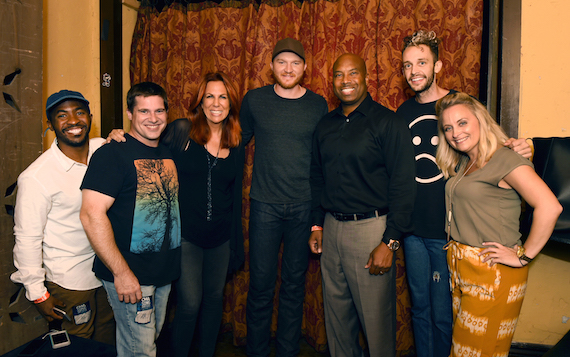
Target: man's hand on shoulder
(380, 260)
(520, 146)
(128, 287)
(46, 308)
(116, 134)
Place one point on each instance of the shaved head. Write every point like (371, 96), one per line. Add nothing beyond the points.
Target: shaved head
(350, 81)
(356, 60)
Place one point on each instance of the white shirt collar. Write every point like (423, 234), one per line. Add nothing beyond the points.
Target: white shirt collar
(66, 162)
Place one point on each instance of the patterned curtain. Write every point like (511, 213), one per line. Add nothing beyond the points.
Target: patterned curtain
(176, 45)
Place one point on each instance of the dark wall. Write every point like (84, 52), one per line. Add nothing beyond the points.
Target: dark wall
(20, 144)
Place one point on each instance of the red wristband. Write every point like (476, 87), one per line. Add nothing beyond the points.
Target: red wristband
(316, 228)
(43, 298)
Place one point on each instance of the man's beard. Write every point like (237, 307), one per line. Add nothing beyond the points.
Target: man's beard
(287, 86)
(428, 84)
(62, 138)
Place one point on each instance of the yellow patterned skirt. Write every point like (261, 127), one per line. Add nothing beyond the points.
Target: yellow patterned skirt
(486, 302)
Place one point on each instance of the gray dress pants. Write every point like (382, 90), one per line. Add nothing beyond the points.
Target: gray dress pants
(353, 298)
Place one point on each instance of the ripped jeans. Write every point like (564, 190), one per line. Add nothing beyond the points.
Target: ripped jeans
(136, 338)
(428, 279)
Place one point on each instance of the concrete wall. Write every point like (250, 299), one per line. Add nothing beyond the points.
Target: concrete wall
(20, 144)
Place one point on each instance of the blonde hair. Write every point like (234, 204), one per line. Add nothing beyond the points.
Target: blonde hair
(421, 37)
(491, 136)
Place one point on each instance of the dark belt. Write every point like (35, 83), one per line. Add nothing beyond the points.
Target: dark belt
(358, 216)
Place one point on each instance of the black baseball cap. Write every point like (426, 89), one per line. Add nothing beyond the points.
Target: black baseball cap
(61, 96)
(289, 45)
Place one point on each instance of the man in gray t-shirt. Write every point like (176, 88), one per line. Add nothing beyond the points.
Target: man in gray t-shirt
(283, 118)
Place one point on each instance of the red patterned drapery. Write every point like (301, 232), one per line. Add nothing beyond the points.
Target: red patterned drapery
(175, 46)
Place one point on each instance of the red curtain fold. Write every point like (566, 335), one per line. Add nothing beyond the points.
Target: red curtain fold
(176, 46)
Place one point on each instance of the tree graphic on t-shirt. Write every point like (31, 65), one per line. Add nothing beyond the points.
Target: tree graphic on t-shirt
(156, 210)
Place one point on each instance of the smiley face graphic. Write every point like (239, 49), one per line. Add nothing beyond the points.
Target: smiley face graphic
(425, 140)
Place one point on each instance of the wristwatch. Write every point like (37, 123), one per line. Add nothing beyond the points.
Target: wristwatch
(392, 244)
(521, 254)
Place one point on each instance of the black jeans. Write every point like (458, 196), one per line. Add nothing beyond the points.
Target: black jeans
(271, 224)
(200, 294)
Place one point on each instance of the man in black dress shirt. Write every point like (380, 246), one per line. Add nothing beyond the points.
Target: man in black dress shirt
(362, 182)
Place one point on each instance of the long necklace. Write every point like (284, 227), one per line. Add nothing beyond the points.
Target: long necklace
(449, 214)
(209, 188)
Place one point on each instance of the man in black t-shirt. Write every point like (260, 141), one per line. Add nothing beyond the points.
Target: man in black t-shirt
(427, 272)
(131, 217)
(426, 264)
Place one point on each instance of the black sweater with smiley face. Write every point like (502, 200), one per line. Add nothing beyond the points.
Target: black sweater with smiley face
(429, 208)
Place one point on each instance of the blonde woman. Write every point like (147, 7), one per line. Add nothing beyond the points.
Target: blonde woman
(487, 261)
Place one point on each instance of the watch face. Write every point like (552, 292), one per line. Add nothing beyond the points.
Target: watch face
(394, 245)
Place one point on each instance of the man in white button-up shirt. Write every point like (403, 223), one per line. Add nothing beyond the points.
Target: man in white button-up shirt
(52, 253)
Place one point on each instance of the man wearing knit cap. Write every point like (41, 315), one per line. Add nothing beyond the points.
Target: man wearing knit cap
(282, 117)
(52, 254)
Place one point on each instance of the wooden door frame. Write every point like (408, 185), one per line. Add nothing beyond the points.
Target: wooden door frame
(111, 76)
(500, 62)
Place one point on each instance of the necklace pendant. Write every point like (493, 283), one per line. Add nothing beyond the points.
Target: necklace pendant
(209, 184)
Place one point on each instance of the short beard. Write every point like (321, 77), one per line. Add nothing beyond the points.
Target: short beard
(289, 86)
(63, 139)
(429, 83)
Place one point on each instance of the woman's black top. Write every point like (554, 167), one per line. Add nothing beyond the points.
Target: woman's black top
(193, 163)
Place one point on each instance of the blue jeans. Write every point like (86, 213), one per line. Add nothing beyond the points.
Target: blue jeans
(133, 338)
(428, 278)
(200, 291)
(271, 224)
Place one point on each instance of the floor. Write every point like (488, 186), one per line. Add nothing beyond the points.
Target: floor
(225, 348)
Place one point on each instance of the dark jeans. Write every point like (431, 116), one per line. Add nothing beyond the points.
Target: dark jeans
(428, 279)
(271, 224)
(200, 293)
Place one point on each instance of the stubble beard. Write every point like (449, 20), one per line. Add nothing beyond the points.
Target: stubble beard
(287, 86)
(427, 86)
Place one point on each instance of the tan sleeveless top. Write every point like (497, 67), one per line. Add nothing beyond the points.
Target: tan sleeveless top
(481, 210)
